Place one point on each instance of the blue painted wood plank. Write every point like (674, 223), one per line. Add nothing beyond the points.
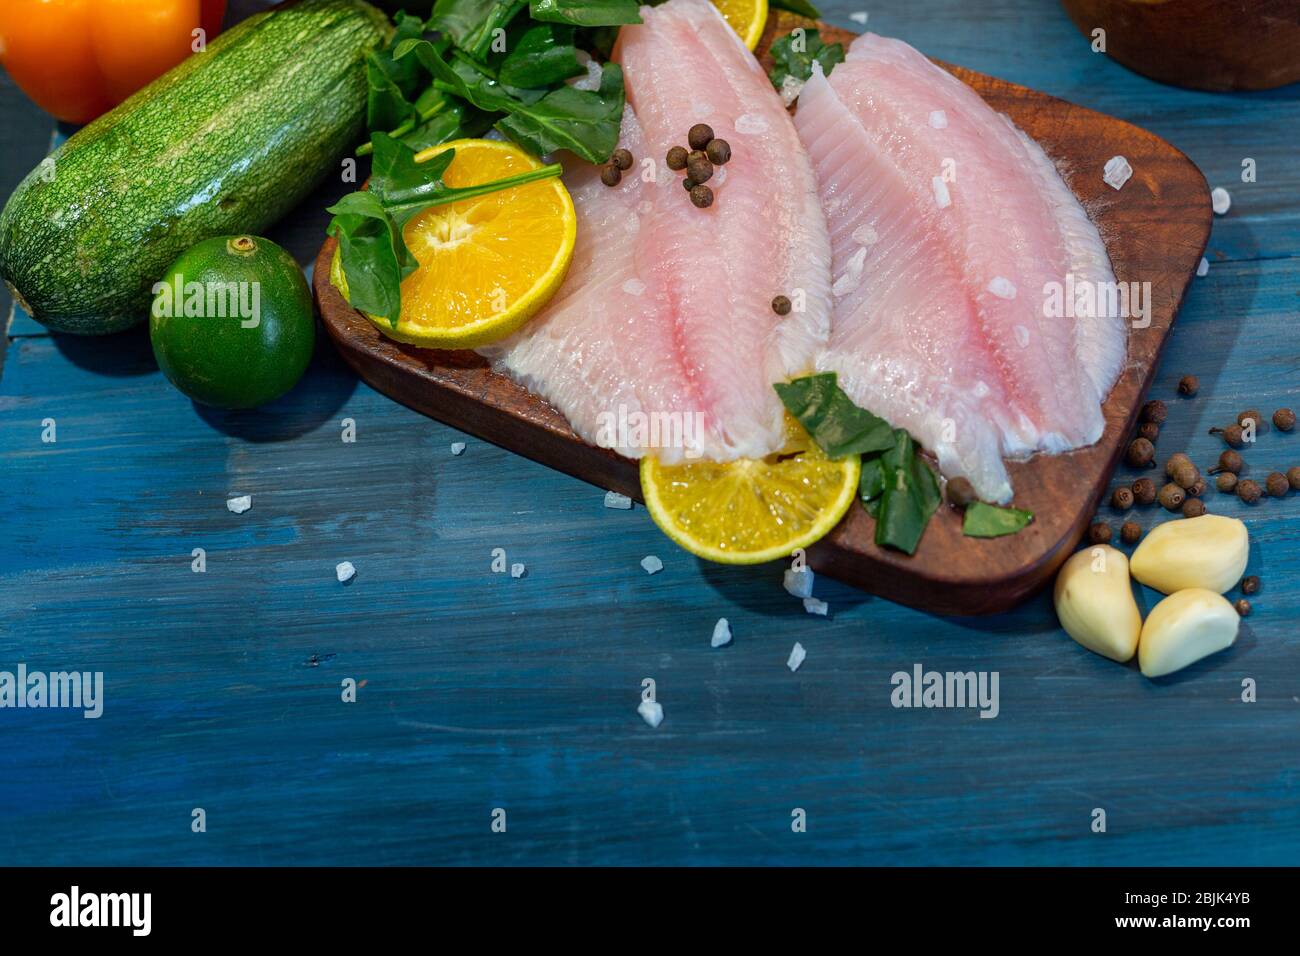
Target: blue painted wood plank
(482, 691)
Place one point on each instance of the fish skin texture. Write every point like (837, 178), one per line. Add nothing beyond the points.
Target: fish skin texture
(953, 216)
(667, 308)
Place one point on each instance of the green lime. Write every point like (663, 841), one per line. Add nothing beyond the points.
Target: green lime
(232, 322)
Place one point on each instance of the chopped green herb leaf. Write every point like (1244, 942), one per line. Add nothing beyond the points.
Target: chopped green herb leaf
(831, 418)
(989, 521)
(795, 54)
(586, 13)
(541, 55)
(910, 495)
(801, 7)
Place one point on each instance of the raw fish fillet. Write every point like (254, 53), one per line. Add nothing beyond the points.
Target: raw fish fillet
(667, 308)
(947, 223)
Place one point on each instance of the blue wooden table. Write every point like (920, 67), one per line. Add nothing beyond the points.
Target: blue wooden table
(477, 691)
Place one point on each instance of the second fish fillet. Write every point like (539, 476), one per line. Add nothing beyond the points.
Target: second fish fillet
(948, 226)
(667, 308)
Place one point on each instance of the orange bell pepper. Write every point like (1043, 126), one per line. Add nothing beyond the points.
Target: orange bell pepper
(79, 58)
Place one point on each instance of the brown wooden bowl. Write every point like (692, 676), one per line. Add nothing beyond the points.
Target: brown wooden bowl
(1202, 44)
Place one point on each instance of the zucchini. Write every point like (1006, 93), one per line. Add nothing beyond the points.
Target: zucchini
(227, 142)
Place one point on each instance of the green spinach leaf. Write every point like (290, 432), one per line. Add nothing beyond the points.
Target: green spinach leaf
(989, 521)
(801, 7)
(909, 497)
(542, 55)
(831, 418)
(586, 13)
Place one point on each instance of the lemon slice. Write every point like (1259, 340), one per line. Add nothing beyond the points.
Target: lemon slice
(747, 17)
(486, 264)
(752, 510)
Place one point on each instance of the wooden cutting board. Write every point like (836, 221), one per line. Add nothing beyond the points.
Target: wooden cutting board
(1155, 230)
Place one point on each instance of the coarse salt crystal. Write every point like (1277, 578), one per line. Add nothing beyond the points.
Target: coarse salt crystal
(614, 500)
(344, 571)
(799, 582)
(458, 448)
(750, 124)
(1022, 336)
(814, 606)
(700, 109)
(791, 87)
(865, 235)
(941, 197)
(1002, 287)
(241, 504)
(939, 119)
(1220, 201)
(859, 17)
(719, 176)
(633, 286)
(651, 711)
(518, 570)
(797, 655)
(847, 282)
(1117, 172)
(1203, 267)
(652, 564)
(981, 389)
(721, 633)
(590, 82)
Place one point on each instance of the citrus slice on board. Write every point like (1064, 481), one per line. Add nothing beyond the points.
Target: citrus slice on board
(752, 510)
(747, 17)
(486, 264)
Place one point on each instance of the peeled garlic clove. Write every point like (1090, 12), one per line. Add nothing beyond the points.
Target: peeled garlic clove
(1207, 552)
(1094, 600)
(1185, 627)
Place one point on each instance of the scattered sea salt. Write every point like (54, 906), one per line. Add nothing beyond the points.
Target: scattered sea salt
(941, 197)
(799, 582)
(1002, 287)
(981, 389)
(344, 571)
(241, 504)
(1022, 336)
(865, 235)
(518, 570)
(591, 81)
(700, 109)
(750, 124)
(1203, 267)
(1220, 201)
(458, 448)
(721, 633)
(814, 606)
(652, 564)
(614, 500)
(859, 17)
(1117, 172)
(719, 176)
(633, 286)
(847, 282)
(791, 87)
(651, 711)
(939, 119)
(797, 655)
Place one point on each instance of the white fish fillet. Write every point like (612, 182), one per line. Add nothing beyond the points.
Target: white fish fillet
(666, 309)
(945, 237)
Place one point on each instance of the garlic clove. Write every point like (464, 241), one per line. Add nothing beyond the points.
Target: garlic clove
(1094, 601)
(1185, 627)
(1207, 552)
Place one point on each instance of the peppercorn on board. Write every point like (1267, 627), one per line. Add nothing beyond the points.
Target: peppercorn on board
(1155, 231)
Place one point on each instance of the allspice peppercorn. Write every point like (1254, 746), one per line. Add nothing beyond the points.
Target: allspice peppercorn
(1293, 476)
(677, 158)
(611, 175)
(1140, 453)
(1193, 508)
(1121, 499)
(719, 152)
(1277, 485)
(1189, 385)
(1249, 415)
(1284, 419)
(701, 197)
(1172, 497)
(782, 305)
(622, 158)
(1250, 584)
(1130, 532)
(1226, 481)
(1234, 435)
(1185, 475)
(1099, 533)
(1150, 431)
(1154, 411)
(960, 492)
(1144, 491)
(1228, 461)
(1197, 488)
(1248, 491)
(1242, 606)
(1176, 461)
(699, 136)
